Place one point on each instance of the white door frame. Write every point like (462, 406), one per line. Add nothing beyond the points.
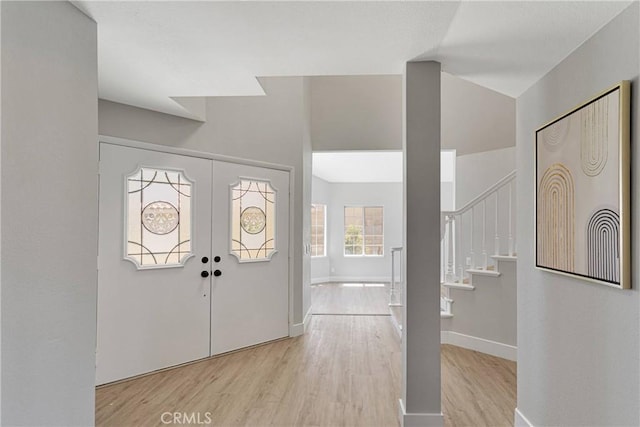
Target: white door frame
(204, 155)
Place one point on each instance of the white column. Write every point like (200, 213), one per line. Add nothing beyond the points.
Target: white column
(459, 248)
(420, 402)
(496, 240)
(484, 234)
(472, 255)
(392, 294)
(450, 276)
(510, 219)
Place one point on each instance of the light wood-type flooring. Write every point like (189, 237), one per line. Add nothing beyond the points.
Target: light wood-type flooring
(351, 298)
(345, 371)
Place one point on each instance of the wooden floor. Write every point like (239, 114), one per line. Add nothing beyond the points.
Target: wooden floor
(351, 298)
(345, 371)
(477, 389)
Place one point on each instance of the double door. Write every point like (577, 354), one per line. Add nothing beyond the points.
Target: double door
(193, 259)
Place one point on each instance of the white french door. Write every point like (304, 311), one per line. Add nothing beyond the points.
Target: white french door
(193, 259)
(250, 299)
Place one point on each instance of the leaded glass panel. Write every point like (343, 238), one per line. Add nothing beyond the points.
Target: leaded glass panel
(253, 221)
(158, 218)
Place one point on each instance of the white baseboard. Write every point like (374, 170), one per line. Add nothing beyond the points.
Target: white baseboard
(298, 329)
(493, 348)
(419, 420)
(354, 279)
(396, 325)
(520, 420)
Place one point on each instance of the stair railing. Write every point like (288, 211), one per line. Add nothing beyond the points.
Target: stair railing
(397, 283)
(461, 223)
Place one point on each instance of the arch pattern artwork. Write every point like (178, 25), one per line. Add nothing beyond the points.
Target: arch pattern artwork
(594, 136)
(555, 218)
(555, 135)
(582, 167)
(603, 246)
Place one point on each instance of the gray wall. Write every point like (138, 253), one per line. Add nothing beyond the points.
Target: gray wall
(270, 128)
(307, 165)
(365, 113)
(475, 118)
(489, 311)
(356, 113)
(578, 342)
(49, 214)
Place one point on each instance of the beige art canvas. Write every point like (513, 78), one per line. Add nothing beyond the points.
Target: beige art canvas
(582, 191)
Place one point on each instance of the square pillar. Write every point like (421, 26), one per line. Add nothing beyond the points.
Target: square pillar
(420, 404)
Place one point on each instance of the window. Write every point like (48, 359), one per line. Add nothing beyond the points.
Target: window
(318, 227)
(363, 231)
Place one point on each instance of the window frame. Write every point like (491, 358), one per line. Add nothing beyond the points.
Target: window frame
(344, 225)
(324, 232)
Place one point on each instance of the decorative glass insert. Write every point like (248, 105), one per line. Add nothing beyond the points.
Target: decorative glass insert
(253, 220)
(158, 218)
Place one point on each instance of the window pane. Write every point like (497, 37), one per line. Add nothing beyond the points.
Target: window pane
(353, 216)
(353, 230)
(363, 230)
(373, 250)
(317, 230)
(374, 230)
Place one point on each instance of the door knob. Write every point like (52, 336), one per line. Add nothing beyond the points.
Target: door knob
(216, 259)
(205, 260)
(205, 273)
(217, 273)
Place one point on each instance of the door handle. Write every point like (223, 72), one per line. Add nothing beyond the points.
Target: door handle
(216, 259)
(204, 273)
(217, 273)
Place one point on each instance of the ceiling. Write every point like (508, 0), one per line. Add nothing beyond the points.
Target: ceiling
(157, 55)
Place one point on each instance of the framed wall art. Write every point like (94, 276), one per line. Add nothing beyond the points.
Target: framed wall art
(582, 190)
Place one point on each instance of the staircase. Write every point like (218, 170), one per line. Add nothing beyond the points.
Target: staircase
(478, 273)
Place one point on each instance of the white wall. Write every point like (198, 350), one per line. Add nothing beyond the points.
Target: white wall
(270, 128)
(578, 342)
(475, 173)
(0, 214)
(49, 214)
(388, 195)
(478, 171)
(338, 267)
